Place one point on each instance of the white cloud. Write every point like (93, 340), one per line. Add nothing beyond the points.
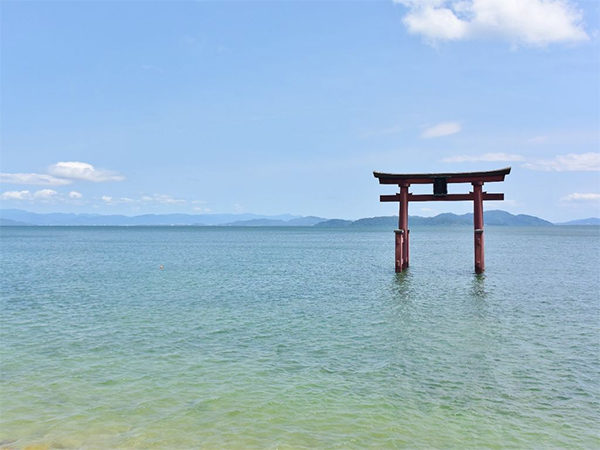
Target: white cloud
(436, 23)
(572, 162)
(83, 171)
(168, 199)
(162, 198)
(44, 194)
(75, 195)
(116, 201)
(578, 196)
(33, 179)
(155, 198)
(486, 157)
(441, 129)
(62, 173)
(531, 22)
(16, 195)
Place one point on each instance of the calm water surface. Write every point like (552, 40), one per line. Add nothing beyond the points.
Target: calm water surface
(298, 338)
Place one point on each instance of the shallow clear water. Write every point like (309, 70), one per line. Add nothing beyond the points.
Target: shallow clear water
(298, 338)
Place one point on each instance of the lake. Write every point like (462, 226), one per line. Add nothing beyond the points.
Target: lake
(298, 337)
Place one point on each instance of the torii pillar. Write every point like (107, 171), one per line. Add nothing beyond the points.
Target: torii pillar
(478, 226)
(402, 233)
(440, 193)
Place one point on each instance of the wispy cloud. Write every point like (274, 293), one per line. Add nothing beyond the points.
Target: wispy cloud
(76, 170)
(572, 162)
(62, 173)
(441, 129)
(43, 195)
(16, 195)
(486, 157)
(46, 195)
(530, 22)
(579, 196)
(110, 200)
(32, 179)
(164, 199)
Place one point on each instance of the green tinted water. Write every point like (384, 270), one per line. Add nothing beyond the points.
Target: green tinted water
(298, 338)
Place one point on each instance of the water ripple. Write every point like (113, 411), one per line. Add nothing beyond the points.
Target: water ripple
(297, 338)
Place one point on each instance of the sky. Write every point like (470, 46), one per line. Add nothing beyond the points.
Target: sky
(288, 107)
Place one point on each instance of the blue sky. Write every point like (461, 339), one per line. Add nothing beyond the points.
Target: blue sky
(287, 107)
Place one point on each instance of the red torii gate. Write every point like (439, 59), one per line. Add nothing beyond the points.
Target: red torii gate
(440, 193)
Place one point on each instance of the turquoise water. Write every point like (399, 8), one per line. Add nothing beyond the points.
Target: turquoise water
(298, 337)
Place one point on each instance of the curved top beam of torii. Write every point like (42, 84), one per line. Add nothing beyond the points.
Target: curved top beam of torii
(452, 177)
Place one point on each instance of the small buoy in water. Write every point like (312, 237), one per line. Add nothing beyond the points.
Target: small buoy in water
(161, 267)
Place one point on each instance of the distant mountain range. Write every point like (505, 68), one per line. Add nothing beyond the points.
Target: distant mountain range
(29, 218)
(588, 221)
(494, 217)
(307, 221)
(17, 217)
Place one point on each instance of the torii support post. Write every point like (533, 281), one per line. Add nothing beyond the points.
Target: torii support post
(399, 252)
(478, 226)
(440, 193)
(403, 224)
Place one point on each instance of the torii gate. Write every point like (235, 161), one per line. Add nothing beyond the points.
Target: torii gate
(440, 193)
